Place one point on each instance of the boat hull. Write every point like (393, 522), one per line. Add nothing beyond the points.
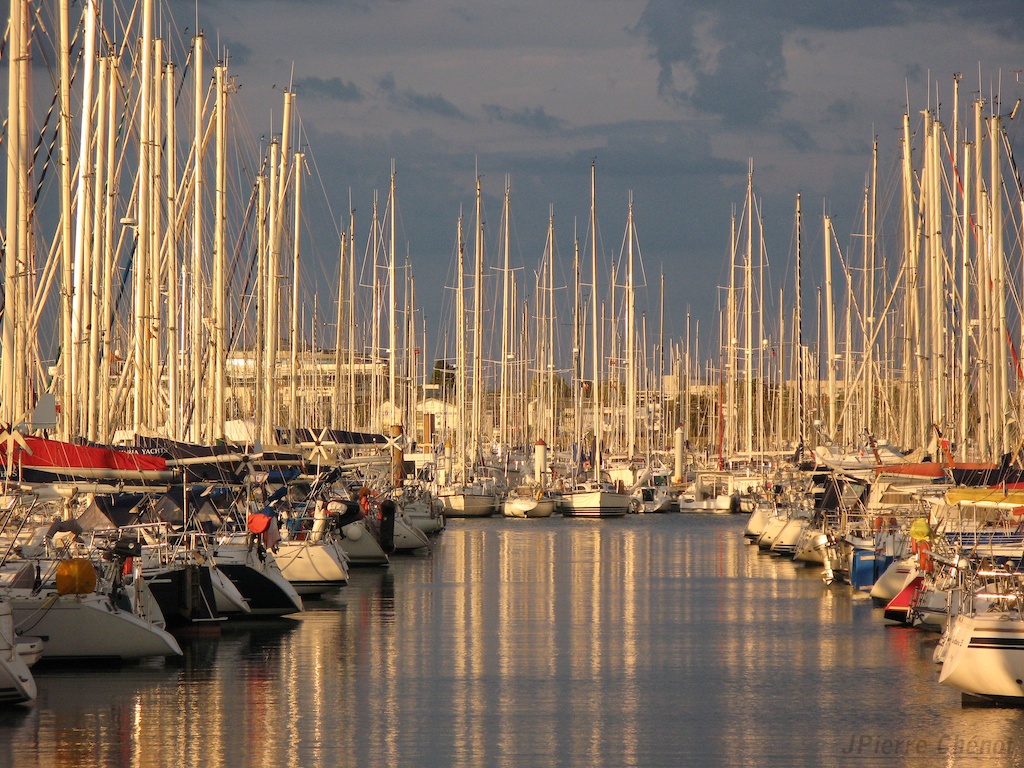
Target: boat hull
(88, 627)
(312, 567)
(528, 506)
(985, 656)
(595, 504)
(361, 546)
(468, 505)
(259, 579)
(17, 685)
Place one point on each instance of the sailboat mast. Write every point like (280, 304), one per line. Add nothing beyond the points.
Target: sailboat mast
(141, 262)
(396, 418)
(577, 341)
(631, 372)
(293, 408)
(338, 326)
(595, 325)
(90, 305)
(799, 329)
(195, 271)
(350, 316)
(460, 352)
(10, 375)
(505, 321)
(220, 258)
(478, 326)
(549, 366)
(748, 292)
(830, 329)
(170, 273)
(66, 244)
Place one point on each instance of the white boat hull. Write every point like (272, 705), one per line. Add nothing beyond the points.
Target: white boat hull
(468, 504)
(985, 656)
(758, 520)
(771, 532)
(16, 682)
(407, 537)
(596, 503)
(718, 504)
(892, 582)
(312, 567)
(528, 506)
(265, 589)
(88, 626)
(422, 515)
(786, 542)
(361, 546)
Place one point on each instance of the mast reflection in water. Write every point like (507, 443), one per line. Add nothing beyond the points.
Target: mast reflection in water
(660, 640)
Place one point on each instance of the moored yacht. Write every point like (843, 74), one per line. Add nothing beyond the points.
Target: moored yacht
(984, 650)
(595, 499)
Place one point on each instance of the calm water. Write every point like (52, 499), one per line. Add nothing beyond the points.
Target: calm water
(660, 640)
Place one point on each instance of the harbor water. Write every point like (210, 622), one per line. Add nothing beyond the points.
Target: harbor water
(650, 640)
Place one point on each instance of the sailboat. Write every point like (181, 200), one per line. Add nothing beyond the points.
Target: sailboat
(82, 610)
(595, 497)
(984, 647)
(532, 500)
(469, 497)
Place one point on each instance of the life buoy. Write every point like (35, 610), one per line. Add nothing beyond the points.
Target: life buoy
(924, 557)
(366, 497)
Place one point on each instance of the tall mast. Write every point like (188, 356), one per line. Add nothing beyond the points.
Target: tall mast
(748, 291)
(965, 305)
(985, 377)
(869, 304)
(830, 330)
(505, 321)
(90, 308)
(107, 260)
(799, 329)
(195, 272)
(143, 256)
(350, 316)
(66, 244)
(478, 326)
(460, 351)
(336, 417)
(78, 290)
(375, 323)
(577, 342)
(729, 427)
(911, 349)
(12, 399)
(219, 299)
(155, 304)
(170, 276)
(630, 339)
(1001, 359)
(595, 325)
(396, 418)
(545, 338)
(293, 410)
(279, 186)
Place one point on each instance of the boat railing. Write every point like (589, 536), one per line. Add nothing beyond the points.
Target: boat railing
(990, 589)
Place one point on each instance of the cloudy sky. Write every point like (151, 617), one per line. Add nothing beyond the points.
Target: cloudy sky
(669, 97)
